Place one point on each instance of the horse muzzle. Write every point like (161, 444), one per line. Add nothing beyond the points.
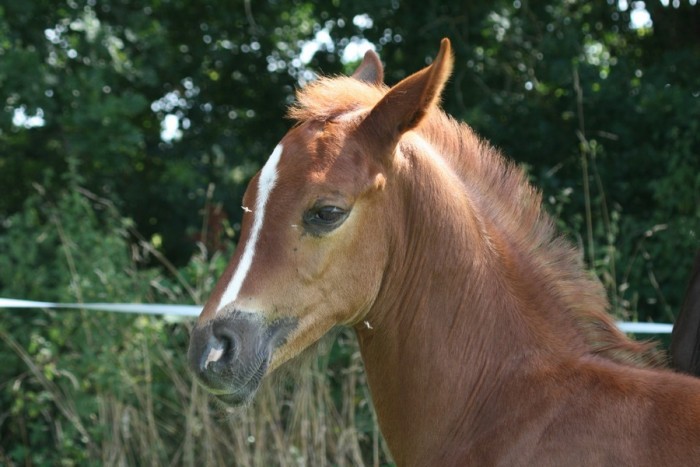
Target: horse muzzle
(230, 354)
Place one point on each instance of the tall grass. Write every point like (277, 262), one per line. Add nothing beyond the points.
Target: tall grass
(157, 415)
(85, 388)
(610, 252)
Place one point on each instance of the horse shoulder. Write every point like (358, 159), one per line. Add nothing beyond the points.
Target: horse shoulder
(633, 416)
(593, 412)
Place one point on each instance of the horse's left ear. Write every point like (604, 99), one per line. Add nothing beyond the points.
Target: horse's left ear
(407, 103)
(370, 70)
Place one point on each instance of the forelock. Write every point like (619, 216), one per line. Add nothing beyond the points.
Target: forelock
(328, 98)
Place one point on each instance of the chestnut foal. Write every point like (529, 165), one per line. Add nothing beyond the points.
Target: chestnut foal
(484, 340)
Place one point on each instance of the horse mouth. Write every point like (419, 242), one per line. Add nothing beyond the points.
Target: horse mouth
(230, 356)
(245, 388)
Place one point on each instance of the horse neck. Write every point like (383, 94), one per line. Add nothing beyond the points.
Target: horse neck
(456, 316)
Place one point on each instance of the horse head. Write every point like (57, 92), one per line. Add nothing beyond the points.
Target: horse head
(315, 240)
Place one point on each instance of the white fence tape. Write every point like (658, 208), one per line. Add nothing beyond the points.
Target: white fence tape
(140, 308)
(645, 328)
(193, 310)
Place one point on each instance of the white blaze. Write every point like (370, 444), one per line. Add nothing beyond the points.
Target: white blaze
(266, 183)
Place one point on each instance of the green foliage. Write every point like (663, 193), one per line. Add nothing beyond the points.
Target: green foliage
(58, 248)
(99, 205)
(92, 388)
(538, 79)
(104, 76)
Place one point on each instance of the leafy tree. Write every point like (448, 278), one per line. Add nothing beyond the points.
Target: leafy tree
(129, 131)
(103, 76)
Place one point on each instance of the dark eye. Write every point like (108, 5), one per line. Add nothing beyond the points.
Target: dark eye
(323, 219)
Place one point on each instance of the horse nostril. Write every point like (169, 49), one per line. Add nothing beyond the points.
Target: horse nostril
(222, 346)
(229, 339)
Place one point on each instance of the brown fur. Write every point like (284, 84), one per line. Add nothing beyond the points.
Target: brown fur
(328, 98)
(513, 204)
(484, 340)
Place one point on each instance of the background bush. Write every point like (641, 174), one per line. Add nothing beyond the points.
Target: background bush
(100, 203)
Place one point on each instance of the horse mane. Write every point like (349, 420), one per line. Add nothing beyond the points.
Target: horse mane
(330, 97)
(515, 206)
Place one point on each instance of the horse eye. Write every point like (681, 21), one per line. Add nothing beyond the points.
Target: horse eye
(329, 214)
(323, 219)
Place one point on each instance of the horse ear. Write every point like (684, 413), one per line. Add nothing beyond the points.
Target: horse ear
(405, 105)
(370, 70)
